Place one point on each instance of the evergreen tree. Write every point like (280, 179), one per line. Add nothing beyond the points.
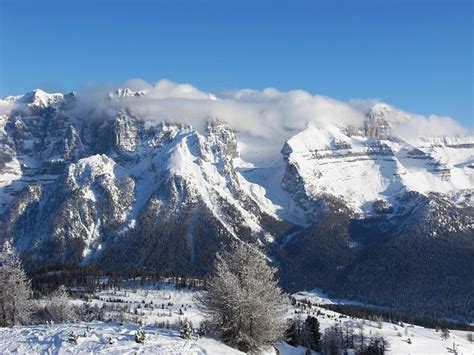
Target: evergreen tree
(313, 334)
(72, 337)
(377, 346)
(291, 333)
(243, 300)
(445, 333)
(202, 329)
(15, 292)
(140, 336)
(186, 330)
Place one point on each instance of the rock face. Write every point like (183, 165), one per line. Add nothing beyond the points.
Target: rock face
(109, 187)
(114, 192)
(368, 167)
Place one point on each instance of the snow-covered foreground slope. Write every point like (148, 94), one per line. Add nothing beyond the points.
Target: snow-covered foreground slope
(53, 340)
(44, 339)
(178, 304)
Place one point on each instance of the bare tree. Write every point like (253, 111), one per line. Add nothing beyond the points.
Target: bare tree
(243, 300)
(59, 306)
(15, 292)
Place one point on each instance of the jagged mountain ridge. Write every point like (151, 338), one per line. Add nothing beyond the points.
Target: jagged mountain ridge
(109, 187)
(75, 190)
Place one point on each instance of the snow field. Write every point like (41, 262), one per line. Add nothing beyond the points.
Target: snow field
(53, 340)
(171, 305)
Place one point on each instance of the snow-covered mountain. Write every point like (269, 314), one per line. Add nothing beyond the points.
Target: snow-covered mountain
(76, 189)
(370, 169)
(107, 184)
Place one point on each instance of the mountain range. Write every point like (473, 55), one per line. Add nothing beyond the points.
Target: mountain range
(353, 208)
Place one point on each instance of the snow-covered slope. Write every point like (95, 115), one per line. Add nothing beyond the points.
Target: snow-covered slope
(53, 340)
(114, 338)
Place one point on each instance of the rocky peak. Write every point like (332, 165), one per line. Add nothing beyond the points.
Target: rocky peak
(41, 99)
(376, 124)
(222, 138)
(125, 93)
(88, 169)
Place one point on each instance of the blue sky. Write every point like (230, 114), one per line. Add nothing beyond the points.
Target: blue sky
(416, 55)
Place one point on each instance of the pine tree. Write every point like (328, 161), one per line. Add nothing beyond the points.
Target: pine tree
(291, 333)
(243, 300)
(313, 334)
(202, 329)
(15, 292)
(445, 333)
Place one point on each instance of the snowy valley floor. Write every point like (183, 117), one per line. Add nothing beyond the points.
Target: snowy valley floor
(168, 304)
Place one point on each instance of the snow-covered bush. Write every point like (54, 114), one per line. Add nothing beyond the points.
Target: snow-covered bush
(87, 332)
(140, 336)
(90, 313)
(186, 330)
(60, 308)
(72, 337)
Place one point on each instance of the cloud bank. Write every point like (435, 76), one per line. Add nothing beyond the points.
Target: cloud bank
(263, 120)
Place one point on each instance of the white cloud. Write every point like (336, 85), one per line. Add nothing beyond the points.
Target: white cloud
(263, 120)
(431, 126)
(5, 107)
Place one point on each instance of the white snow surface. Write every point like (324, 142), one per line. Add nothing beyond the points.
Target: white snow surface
(363, 170)
(44, 339)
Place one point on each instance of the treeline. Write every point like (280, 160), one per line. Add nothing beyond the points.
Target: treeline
(395, 317)
(335, 339)
(91, 279)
